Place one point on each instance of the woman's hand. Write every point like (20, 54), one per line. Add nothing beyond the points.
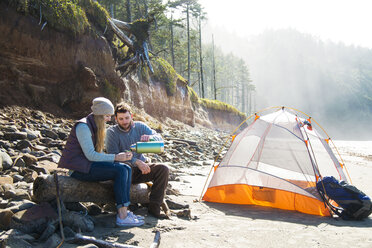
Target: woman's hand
(123, 156)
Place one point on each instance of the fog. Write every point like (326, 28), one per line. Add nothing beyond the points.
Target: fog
(331, 82)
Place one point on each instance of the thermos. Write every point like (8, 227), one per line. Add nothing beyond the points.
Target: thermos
(148, 147)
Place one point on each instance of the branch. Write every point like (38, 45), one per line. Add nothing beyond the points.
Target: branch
(121, 35)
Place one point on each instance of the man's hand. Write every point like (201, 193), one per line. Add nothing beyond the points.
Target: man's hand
(145, 138)
(144, 168)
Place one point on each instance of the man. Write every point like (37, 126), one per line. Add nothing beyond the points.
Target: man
(127, 132)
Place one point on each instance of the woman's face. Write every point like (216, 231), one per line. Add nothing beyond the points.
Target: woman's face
(107, 118)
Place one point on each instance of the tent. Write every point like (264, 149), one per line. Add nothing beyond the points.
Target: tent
(276, 162)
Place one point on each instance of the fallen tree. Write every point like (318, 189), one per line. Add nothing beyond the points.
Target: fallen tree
(73, 190)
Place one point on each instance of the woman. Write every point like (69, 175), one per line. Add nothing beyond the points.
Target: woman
(83, 156)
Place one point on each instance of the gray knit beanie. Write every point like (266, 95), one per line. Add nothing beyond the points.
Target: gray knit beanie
(102, 106)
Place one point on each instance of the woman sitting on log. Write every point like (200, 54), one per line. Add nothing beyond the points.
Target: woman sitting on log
(83, 156)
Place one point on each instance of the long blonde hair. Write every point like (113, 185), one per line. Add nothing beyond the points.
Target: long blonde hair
(101, 132)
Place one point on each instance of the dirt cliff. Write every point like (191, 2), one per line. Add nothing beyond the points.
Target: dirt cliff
(57, 73)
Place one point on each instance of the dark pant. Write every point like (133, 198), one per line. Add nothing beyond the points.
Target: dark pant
(103, 171)
(158, 176)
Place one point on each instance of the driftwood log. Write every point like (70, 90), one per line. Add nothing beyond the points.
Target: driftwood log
(73, 190)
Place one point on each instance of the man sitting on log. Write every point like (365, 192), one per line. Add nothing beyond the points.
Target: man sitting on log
(120, 137)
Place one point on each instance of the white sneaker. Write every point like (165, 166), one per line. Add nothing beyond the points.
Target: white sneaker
(129, 221)
(138, 217)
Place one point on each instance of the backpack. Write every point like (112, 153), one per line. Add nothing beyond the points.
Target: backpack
(355, 205)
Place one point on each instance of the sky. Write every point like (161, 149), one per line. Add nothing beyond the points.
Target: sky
(347, 21)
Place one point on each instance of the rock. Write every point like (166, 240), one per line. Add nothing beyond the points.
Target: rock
(23, 144)
(12, 136)
(94, 209)
(76, 206)
(29, 159)
(13, 240)
(5, 218)
(17, 195)
(6, 180)
(53, 241)
(34, 219)
(19, 163)
(49, 230)
(30, 177)
(6, 160)
(68, 232)
(17, 178)
(175, 205)
(48, 165)
(21, 205)
(31, 135)
(4, 144)
(78, 221)
(49, 133)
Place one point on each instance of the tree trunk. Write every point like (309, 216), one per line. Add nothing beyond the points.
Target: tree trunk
(129, 10)
(188, 43)
(73, 190)
(214, 71)
(201, 60)
(172, 41)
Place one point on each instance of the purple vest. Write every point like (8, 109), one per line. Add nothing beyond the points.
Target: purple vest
(73, 157)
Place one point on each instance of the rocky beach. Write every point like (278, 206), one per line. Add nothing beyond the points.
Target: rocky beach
(31, 143)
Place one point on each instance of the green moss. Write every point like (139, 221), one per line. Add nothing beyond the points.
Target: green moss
(109, 90)
(164, 72)
(64, 15)
(193, 96)
(95, 12)
(140, 29)
(218, 105)
(122, 50)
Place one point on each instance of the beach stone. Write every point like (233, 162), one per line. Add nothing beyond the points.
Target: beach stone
(23, 144)
(19, 163)
(30, 177)
(6, 160)
(17, 195)
(4, 144)
(9, 128)
(12, 239)
(12, 136)
(46, 141)
(21, 205)
(49, 230)
(5, 218)
(31, 135)
(48, 165)
(76, 206)
(34, 219)
(49, 133)
(17, 178)
(39, 170)
(78, 221)
(6, 180)
(94, 209)
(62, 135)
(53, 241)
(29, 159)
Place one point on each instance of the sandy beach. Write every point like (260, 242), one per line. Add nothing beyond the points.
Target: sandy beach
(224, 225)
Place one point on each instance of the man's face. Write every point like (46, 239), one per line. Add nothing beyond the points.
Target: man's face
(124, 120)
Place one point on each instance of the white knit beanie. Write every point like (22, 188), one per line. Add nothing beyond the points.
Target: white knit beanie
(102, 106)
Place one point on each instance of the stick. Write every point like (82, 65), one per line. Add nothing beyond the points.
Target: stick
(156, 242)
(59, 210)
(98, 242)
